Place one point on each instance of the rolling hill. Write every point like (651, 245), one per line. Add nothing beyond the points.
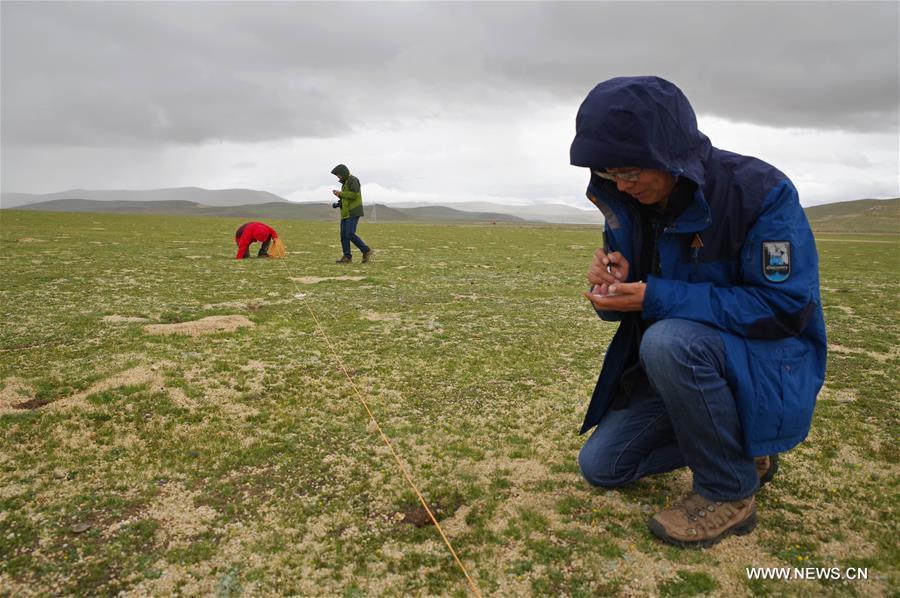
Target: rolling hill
(279, 210)
(261, 204)
(555, 212)
(860, 216)
(211, 197)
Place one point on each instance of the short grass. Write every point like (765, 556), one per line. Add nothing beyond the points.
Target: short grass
(240, 462)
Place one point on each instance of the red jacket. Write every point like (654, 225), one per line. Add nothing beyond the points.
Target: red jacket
(250, 232)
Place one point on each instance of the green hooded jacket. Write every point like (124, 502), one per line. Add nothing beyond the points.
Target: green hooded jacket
(351, 192)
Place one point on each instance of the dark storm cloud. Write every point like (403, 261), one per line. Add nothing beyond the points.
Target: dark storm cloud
(123, 73)
(821, 65)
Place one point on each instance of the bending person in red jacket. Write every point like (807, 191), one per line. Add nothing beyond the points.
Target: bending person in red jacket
(250, 232)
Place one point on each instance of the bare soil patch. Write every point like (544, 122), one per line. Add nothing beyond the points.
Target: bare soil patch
(131, 377)
(374, 316)
(117, 319)
(881, 357)
(17, 395)
(318, 279)
(418, 516)
(852, 240)
(208, 325)
(843, 395)
(32, 404)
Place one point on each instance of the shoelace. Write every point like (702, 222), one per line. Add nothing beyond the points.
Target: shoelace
(695, 512)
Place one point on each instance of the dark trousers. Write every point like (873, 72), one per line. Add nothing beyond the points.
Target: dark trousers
(682, 413)
(263, 250)
(348, 235)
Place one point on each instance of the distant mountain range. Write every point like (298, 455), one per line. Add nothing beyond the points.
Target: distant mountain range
(863, 215)
(556, 212)
(247, 203)
(209, 197)
(283, 210)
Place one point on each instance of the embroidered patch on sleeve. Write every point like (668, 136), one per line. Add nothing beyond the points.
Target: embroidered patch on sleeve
(776, 262)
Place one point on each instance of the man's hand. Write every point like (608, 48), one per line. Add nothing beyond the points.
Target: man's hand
(336, 193)
(621, 296)
(607, 269)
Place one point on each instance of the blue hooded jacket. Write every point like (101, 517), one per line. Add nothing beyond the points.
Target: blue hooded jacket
(755, 278)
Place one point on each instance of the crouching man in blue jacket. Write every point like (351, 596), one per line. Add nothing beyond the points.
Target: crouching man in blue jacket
(710, 267)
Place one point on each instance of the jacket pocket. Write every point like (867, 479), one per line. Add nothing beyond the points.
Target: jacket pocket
(779, 368)
(797, 371)
(768, 402)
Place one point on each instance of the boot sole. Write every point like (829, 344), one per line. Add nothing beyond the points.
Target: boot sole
(742, 529)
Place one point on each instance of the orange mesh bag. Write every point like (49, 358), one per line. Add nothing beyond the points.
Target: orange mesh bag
(277, 249)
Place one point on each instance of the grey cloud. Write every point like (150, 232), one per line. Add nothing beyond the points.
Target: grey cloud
(105, 74)
(805, 64)
(124, 73)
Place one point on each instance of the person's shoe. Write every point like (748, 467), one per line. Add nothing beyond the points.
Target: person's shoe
(697, 522)
(766, 467)
(344, 260)
(367, 256)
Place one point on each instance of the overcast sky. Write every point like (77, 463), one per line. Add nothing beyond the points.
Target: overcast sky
(431, 101)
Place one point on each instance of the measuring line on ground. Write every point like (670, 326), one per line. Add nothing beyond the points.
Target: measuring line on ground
(302, 296)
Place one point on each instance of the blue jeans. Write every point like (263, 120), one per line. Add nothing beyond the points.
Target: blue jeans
(682, 413)
(348, 234)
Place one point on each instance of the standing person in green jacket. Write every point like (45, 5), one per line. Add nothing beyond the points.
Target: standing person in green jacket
(350, 203)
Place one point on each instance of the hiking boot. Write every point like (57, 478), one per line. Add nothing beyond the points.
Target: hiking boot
(695, 521)
(766, 467)
(344, 260)
(367, 256)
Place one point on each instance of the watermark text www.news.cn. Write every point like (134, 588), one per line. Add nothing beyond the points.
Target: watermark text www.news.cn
(816, 573)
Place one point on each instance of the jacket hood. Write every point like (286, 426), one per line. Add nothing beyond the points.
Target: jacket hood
(645, 122)
(341, 171)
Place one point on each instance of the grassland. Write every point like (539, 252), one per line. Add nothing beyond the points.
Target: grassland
(240, 462)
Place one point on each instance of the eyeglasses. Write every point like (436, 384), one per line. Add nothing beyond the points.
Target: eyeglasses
(630, 175)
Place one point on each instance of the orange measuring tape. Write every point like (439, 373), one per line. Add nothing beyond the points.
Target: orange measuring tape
(384, 437)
